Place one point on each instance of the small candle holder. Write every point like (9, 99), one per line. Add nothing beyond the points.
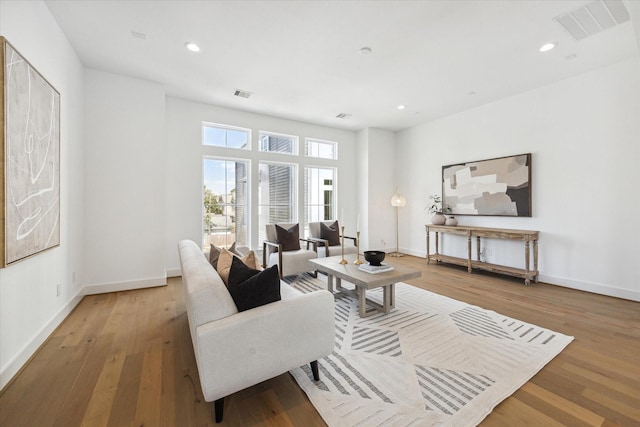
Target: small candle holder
(343, 261)
(357, 261)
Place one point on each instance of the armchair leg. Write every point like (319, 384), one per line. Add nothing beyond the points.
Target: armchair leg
(218, 408)
(314, 274)
(314, 370)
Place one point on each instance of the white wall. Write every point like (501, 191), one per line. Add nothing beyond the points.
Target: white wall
(124, 182)
(376, 186)
(29, 307)
(185, 152)
(584, 133)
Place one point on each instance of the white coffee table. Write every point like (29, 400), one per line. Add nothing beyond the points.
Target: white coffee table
(363, 281)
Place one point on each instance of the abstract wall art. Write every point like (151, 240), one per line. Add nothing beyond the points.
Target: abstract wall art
(500, 186)
(29, 161)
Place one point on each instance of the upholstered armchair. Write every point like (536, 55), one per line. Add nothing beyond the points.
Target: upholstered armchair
(284, 247)
(326, 234)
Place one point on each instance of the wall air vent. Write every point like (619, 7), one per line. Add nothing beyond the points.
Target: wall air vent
(242, 93)
(343, 116)
(593, 18)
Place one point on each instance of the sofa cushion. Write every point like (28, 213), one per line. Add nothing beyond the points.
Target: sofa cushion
(330, 233)
(288, 238)
(251, 288)
(225, 260)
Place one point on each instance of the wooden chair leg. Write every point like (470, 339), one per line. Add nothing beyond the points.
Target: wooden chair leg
(218, 408)
(315, 371)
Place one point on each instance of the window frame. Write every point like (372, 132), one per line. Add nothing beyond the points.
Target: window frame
(248, 165)
(321, 141)
(248, 146)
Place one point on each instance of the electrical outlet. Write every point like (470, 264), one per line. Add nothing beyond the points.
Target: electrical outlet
(58, 289)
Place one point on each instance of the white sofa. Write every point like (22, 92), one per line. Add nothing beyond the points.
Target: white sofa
(235, 350)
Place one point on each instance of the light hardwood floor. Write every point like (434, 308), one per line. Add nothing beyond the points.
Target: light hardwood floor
(125, 359)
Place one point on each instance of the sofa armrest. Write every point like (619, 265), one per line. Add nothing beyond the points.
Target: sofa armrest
(254, 345)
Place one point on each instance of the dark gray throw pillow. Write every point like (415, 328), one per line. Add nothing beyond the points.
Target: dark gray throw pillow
(330, 233)
(251, 288)
(289, 239)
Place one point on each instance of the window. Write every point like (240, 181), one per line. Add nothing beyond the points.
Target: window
(277, 143)
(276, 195)
(320, 149)
(224, 198)
(226, 136)
(229, 177)
(319, 194)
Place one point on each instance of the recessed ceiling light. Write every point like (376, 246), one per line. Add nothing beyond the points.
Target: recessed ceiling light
(547, 47)
(192, 47)
(401, 107)
(365, 50)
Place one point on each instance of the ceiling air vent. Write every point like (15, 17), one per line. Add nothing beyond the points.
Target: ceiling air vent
(242, 93)
(593, 18)
(343, 116)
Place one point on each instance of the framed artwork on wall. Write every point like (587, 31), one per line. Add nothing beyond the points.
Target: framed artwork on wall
(29, 161)
(500, 186)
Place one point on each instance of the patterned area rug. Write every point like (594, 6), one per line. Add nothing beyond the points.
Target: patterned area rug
(432, 361)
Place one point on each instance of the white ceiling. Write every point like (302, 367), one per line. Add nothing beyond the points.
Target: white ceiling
(301, 60)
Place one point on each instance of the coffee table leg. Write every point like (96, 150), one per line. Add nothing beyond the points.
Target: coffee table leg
(362, 301)
(330, 282)
(392, 295)
(386, 300)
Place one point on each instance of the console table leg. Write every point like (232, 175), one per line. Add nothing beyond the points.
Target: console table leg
(535, 258)
(469, 253)
(526, 262)
(428, 253)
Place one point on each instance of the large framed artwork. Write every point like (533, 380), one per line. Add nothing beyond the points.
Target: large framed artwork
(30, 160)
(500, 186)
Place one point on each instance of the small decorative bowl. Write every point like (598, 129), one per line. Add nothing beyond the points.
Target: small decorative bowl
(374, 257)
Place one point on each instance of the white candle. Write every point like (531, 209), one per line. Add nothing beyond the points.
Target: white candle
(358, 223)
(342, 218)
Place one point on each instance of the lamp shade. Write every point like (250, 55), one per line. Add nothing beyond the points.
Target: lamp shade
(398, 200)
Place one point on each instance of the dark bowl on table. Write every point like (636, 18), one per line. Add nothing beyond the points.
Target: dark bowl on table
(374, 257)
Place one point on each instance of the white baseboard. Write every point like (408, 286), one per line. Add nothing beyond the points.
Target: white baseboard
(8, 371)
(174, 272)
(124, 286)
(595, 288)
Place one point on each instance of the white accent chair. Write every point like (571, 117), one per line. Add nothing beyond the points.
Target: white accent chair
(289, 262)
(323, 249)
(235, 350)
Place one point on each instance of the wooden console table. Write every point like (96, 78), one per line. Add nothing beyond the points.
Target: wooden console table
(527, 236)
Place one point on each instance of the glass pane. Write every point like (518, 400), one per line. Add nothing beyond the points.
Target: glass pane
(319, 194)
(276, 195)
(224, 202)
(278, 143)
(237, 139)
(221, 136)
(320, 149)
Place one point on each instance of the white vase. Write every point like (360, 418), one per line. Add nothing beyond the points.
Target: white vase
(438, 219)
(451, 221)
